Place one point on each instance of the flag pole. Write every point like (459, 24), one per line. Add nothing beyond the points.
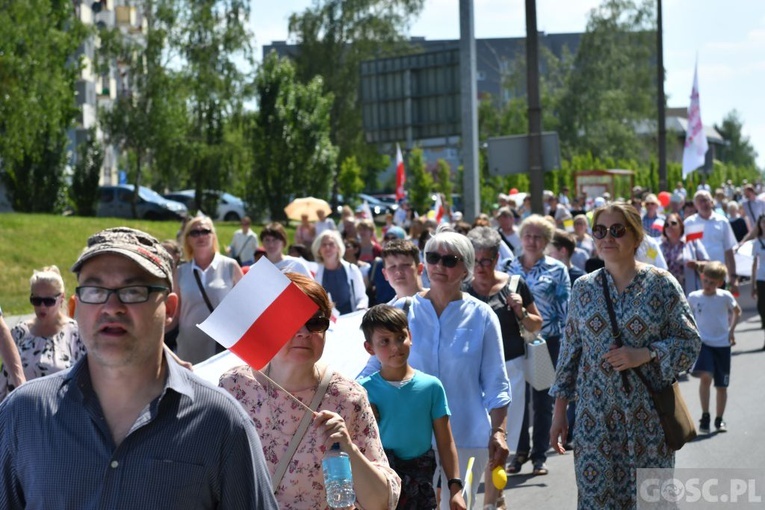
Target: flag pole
(290, 395)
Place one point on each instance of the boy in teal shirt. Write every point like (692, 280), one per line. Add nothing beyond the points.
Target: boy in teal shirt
(410, 407)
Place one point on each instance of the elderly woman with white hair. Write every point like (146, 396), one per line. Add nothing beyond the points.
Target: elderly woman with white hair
(50, 341)
(342, 281)
(458, 339)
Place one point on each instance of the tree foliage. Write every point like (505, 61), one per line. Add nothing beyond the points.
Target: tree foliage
(334, 36)
(290, 137)
(349, 182)
(84, 189)
(443, 181)
(739, 150)
(419, 182)
(38, 69)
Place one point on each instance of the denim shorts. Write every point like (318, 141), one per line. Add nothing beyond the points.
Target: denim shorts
(716, 361)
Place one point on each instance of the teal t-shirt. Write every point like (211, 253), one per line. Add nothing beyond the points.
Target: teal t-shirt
(407, 412)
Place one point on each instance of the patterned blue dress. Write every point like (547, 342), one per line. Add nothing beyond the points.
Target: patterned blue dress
(618, 432)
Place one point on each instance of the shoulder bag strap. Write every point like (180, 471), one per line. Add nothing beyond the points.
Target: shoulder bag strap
(202, 290)
(614, 328)
(281, 468)
(407, 306)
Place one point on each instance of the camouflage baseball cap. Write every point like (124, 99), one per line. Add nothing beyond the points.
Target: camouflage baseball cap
(138, 246)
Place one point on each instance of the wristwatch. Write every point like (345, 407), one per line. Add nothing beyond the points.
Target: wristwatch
(525, 314)
(457, 481)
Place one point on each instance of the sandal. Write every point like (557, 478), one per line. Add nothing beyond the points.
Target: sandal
(518, 460)
(540, 469)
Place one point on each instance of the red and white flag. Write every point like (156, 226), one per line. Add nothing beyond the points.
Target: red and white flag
(438, 207)
(259, 315)
(694, 232)
(400, 174)
(696, 146)
(658, 224)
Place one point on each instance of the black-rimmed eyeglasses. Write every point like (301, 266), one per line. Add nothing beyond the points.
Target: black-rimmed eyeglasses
(129, 295)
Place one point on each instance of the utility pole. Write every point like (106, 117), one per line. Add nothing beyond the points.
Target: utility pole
(536, 174)
(469, 91)
(661, 102)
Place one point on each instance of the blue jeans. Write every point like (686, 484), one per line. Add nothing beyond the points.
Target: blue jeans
(542, 404)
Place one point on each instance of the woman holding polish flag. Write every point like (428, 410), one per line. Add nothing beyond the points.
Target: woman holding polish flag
(276, 397)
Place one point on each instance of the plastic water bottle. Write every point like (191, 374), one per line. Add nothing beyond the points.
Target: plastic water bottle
(338, 479)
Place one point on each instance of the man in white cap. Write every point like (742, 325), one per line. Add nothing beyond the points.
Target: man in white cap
(127, 427)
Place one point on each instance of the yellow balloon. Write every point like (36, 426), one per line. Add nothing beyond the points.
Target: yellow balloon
(499, 477)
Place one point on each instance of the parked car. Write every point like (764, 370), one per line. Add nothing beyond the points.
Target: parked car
(376, 205)
(115, 202)
(230, 208)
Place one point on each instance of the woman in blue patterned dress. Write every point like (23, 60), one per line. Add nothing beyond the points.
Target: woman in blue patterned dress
(617, 429)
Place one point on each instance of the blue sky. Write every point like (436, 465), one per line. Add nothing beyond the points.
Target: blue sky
(728, 37)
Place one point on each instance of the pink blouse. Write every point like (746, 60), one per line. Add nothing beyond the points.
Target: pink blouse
(277, 417)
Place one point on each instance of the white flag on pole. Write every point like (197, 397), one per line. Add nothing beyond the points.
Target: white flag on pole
(696, 145)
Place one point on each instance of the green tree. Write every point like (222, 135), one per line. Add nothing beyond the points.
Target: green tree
(739, 150)
(419, 182)
(213, 41)
(148, 114)
(84, 189)
(611, 87)
(333, 37)
(443, 182)
(289, 137)
(349, 182)
(38, 40)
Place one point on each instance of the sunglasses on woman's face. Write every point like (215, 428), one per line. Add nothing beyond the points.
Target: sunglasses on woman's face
(673, 223)
(43, 301)
(317, 324)
(616, 230)
(433, 258)
(200, 232)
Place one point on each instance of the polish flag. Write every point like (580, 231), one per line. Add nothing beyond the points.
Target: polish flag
(259, 315)
(400, 174)
(438, 207)
(658, 224)
(694, 232)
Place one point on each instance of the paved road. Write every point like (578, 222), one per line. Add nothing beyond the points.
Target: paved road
(741, 447)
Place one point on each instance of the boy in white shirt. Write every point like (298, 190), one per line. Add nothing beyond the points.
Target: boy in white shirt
(716, 312)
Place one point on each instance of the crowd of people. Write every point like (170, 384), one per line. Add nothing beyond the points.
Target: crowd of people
(448, 310)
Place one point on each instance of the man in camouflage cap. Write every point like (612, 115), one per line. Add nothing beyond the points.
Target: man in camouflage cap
(127, 427)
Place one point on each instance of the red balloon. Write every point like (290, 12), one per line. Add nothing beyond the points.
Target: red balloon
(664, 197)
(514, 191)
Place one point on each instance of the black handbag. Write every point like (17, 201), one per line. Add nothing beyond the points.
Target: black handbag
(676, 420)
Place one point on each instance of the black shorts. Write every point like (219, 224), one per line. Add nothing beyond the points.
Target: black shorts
(715, 361)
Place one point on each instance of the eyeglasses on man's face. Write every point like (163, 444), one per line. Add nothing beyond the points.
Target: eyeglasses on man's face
(129, 295)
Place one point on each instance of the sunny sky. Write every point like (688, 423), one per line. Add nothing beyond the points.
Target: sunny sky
(728, 37)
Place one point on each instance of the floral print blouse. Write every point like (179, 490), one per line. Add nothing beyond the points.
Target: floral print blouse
(42, 356)
(277, 418)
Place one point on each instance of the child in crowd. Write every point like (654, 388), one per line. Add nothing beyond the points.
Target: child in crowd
(410, 407)
(716, 312)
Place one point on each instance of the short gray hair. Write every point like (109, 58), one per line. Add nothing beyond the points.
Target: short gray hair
(455, 243)
(485, 238)
(335, 236)
(535, 220)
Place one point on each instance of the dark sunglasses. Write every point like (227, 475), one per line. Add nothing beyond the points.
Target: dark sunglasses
(673, 223)
(46, 301)
(433, 258)
(390, 237)
(617, 230)
(200, 232)
(317, 324)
